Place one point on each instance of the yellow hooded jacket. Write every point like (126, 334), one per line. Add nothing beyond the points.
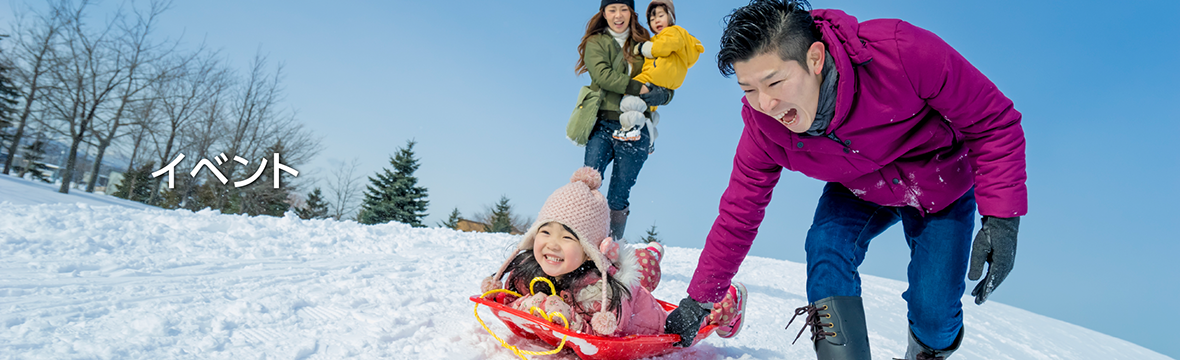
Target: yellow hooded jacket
(674, 51)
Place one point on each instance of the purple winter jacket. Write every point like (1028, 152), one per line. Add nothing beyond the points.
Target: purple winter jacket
(925, 128)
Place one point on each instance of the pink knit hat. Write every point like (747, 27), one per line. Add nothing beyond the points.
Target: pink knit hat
(581, 207)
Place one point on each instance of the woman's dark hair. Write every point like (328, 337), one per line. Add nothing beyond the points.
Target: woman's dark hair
(524, 267)
(597, 25)
(785, 26)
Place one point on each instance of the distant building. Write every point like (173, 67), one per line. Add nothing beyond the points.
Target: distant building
(475, 226)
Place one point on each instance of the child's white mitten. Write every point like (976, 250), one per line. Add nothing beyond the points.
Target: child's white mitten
(632, 103)
(645, 49)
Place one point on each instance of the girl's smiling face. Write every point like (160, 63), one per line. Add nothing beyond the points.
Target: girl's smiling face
(557, 250)
(618, 17)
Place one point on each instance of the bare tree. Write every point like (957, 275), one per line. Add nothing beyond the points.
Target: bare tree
(88, 72)
(138, 55)
(256, 123)
(201, 135)
(32, 57)
(198, 81)
(143, 117)
(252, 111)
(345, 190)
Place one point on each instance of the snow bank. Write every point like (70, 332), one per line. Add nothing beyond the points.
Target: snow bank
(79, 281)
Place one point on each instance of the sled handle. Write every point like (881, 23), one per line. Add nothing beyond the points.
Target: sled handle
(516, 350)
(552, 288)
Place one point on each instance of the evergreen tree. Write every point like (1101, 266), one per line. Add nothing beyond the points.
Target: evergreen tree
(500, 220)
(452, 221)
(8, 101)
(175, 198)
(137, 183)
(394, 195)
(205, 195)
(33, 165)
(261, 197)
(652, 236)
(315, 208)
(172, 198)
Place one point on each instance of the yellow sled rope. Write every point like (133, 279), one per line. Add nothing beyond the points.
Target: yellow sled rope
(532, 311)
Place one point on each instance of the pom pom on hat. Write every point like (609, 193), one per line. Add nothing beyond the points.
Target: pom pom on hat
(604, 323)
(581, 207)
(587, 175)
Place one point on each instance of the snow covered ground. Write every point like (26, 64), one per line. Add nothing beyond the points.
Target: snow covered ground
(86, 276)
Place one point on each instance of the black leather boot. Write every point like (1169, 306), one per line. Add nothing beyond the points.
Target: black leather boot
(618, 223)
(838, 328)
(919, 351)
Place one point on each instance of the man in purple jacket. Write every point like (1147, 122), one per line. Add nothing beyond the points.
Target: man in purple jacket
(903, 129)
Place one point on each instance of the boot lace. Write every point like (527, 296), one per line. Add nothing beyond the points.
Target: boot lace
(812, 319)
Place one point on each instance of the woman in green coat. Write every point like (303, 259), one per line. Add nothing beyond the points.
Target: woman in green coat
(614, 28)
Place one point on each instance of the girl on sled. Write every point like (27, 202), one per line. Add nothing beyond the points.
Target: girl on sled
(602, 288)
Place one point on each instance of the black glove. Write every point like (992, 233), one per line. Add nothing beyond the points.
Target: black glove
(996, 244)
(656, 95)
(685, 321)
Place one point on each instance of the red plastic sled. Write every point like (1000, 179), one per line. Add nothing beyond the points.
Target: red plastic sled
(589, 347)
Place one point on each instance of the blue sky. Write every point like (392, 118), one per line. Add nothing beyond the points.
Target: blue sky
(485, 88)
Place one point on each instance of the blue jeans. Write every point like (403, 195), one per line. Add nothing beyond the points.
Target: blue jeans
(628, 157)
(940, 245)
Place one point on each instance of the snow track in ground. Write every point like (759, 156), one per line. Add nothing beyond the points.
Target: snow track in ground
(103, 282)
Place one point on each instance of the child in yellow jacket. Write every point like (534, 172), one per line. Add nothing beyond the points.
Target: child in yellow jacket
(669, 54)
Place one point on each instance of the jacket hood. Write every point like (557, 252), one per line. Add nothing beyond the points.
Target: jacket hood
(839, 33)
(668, 7)
(692, 46)
(839, 27)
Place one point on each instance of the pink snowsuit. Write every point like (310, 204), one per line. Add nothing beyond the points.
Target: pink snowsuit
(639, 314)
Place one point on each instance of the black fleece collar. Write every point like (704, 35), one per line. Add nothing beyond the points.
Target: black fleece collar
(827, 98)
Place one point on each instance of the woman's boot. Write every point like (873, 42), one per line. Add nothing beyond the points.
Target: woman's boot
(618, 223)
(838, 328)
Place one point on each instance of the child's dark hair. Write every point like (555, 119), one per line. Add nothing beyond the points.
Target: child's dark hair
(651, 13)
(524, 267)
(783, 26)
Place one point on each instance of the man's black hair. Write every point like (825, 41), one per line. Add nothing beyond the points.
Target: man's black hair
(785, 26)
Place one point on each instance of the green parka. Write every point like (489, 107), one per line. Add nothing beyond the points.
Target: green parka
(608, 71)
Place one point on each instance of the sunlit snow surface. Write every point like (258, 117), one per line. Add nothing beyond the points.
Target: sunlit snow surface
(109, 279)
